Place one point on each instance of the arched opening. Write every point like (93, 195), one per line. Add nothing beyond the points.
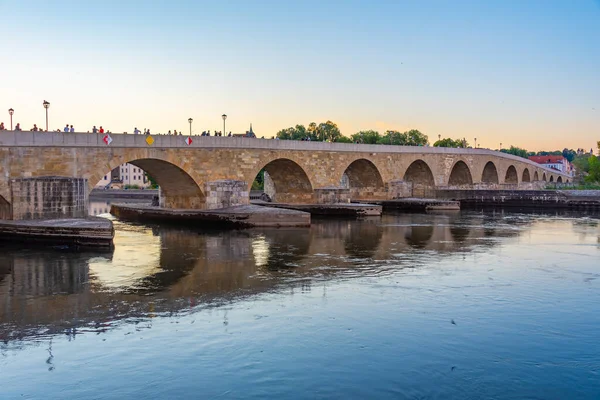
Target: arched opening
(420, 176)
(536, 176)
(460, 175)
(544, 177)
(526, 177)
(286, 182)
(551, 178)
(511, 175)
(490, 173)
(177, 188)
(559, 180)
(364, 180)
(5, 210)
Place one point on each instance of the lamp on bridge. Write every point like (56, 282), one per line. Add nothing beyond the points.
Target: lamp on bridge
(500, 145)
(46, 106)
(475, 142)
(190, 121)
(11, 112)
(224, 116)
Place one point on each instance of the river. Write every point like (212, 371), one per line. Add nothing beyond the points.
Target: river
(469, 305)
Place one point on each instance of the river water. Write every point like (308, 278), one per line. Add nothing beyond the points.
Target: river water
(469, 305)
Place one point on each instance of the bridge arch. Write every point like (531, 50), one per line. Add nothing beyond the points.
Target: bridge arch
(536, 176)
(551, 178)
(419, 173)
(177, 188)
(544, 177)
(364, 180)
(526, 177)
(490, 173)
(291, 183)
(460, 175)
(511, 175)
(559, 179)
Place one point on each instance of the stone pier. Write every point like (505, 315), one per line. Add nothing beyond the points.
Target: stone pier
(47, 198)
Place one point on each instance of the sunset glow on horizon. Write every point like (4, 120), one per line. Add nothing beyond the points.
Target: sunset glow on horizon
(519, 74)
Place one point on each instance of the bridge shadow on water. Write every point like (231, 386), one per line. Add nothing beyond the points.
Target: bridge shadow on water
(156, 270)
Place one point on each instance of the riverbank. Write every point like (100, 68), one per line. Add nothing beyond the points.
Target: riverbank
(80, 232)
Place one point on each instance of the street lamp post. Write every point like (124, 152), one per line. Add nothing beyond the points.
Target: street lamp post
(46, 106)
(190, 121)
(11, 112)
(439, 137)
(475, 142)
(224, 116)
(500, 145)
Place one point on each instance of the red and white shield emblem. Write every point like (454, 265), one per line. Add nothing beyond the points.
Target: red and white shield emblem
(188, 140)
(107, 139)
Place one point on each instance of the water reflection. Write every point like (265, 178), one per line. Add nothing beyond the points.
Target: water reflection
(155, 270)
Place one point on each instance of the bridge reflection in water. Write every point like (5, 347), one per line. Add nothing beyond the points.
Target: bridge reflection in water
(165, 270)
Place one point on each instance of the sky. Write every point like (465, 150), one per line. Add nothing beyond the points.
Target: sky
(523, 73)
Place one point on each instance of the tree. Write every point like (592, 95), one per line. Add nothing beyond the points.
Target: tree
(416, 138)
(409, 138)
(293, 133)
(366, 137)
(447, 142)
(344, 139)
(516, 151)
(594, 170)
(569, 154)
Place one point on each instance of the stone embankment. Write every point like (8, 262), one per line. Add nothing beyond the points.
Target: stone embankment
(329, 210)
(80, 232)
(246, 216)
(551, 199)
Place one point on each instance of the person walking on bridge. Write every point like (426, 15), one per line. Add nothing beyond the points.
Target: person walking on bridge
(66, 128)
(72, 129)
(94, 129)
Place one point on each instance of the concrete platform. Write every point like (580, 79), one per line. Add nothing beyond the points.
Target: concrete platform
(330, 210)
(247, 216)
(419, 205)
(82, 232)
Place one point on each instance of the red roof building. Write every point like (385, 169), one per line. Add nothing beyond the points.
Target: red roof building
(558, 163)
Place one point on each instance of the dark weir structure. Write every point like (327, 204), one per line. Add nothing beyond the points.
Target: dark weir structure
(213, 173)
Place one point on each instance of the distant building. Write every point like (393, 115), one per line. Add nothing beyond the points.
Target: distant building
(558, 163)
(249, 133)
(125, 175)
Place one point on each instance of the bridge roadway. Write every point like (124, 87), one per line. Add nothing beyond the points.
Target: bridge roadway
(212, 171)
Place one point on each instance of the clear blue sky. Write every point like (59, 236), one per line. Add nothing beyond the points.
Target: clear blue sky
(518, 72)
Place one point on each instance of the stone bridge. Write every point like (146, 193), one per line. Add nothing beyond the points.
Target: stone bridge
(213, 172)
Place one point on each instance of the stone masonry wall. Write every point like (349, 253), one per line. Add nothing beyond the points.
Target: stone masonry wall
(332, 195)
(226, 193)
(48, 198)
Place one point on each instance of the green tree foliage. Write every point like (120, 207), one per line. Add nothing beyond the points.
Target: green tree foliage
(344, 139)
(593, 175)
(366, 137)
(325, 131)
(297, 132)
(516, 151)
(409, 138)
(259, 182)
(569, 154)
(447, 142)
